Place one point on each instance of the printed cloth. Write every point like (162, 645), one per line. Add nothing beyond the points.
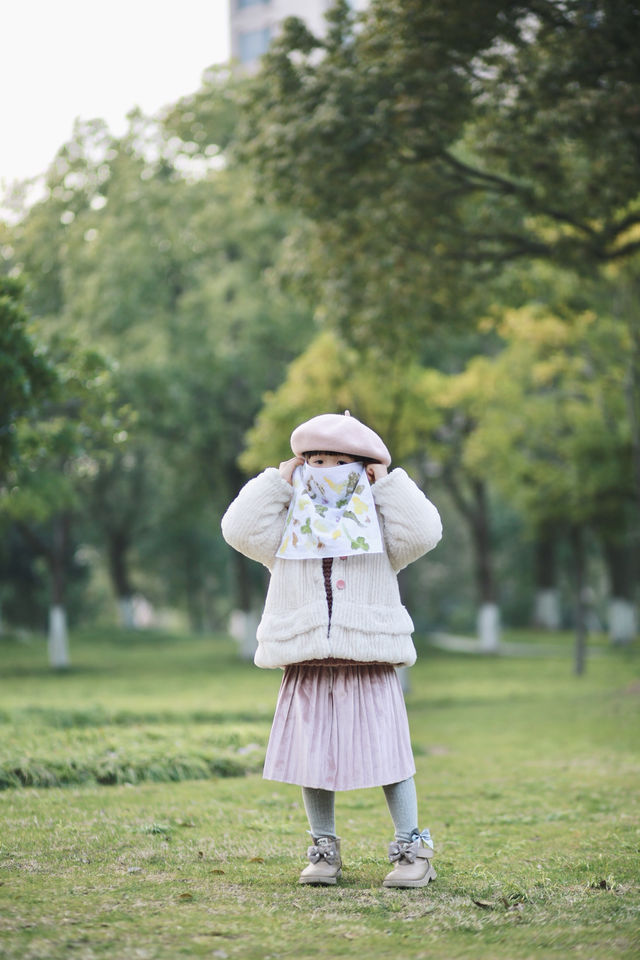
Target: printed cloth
(331, 514)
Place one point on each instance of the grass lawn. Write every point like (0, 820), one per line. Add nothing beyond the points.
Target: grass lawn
(135, 823)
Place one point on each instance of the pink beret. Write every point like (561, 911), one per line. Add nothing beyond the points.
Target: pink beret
(341, 434)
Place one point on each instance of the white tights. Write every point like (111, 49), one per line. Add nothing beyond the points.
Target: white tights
(401, 800)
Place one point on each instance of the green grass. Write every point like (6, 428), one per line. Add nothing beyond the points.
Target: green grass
(527, 778)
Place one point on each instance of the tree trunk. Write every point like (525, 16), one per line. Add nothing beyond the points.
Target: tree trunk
(243, 622)
(118, 546)
(633, 396)
(488, 627)
(242, 582)
(193, 592)
(475, 511)
(404, 584)
(126, 613)
(488, 618)
(622, 620)
(58, 637)
(546, 613)
(580, 615)
(243, 625)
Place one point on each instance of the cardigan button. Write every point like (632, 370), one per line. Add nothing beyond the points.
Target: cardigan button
(340, 584)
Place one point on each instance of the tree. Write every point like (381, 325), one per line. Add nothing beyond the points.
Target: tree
(202, 318)
(554, 430)
(482, 134)
(61, 441)
(26, 375)
(424, 416)
(430, 149)
(164, 261)
(455, 403)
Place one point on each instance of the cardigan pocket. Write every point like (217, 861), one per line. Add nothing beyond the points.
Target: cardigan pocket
(372, 618)
(286, 624)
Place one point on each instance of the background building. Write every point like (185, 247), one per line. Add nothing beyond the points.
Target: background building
(255, 22)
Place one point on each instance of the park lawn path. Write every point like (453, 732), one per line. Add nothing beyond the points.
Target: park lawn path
(527, 778)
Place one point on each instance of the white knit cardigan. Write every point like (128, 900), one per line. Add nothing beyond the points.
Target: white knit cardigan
(368, 622)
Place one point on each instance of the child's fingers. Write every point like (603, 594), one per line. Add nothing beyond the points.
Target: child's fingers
(287, 467)
(375, 471)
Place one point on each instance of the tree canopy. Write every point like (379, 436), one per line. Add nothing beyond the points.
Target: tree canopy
(25, 372)
(439, 146)
(428, 216)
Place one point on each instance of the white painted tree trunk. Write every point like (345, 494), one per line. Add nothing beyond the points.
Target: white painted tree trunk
(126, 612)
(623, 622)
(58, 640)
(236, 624)
(546, 611)
(243, 625)
(488, 626)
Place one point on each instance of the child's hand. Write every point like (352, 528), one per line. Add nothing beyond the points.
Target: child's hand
(375, 471)
(287, 467)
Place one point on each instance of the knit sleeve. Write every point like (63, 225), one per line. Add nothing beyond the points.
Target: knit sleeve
(411, 523)
(254, 521)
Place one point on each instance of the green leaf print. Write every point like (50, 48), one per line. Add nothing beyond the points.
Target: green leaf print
(350, 515)
(359, 544)
(320, 509)
(352, 482)
(306, 526)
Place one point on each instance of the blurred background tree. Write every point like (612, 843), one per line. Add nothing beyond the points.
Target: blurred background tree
(168, 272)
(431, 217)
(60, 442)
(25, 371)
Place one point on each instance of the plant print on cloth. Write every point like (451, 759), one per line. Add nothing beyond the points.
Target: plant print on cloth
(331, 514)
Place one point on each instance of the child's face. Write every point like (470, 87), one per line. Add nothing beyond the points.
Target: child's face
(329, 459)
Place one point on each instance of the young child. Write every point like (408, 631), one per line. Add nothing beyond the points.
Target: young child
(334, 528)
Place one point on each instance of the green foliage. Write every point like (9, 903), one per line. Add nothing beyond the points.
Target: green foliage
(164, 266)
(26, 375)
(417, 157)
(204, 123)
(62, 440)
(559, 127)
(553, 428)
(429, 149)
(331, 376)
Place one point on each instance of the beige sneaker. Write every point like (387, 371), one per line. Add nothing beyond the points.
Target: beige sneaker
(325, 865)
(412, 862)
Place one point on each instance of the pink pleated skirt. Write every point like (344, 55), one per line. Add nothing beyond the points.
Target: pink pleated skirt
(341, 727)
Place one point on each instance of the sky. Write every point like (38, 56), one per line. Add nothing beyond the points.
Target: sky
(63, 59)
